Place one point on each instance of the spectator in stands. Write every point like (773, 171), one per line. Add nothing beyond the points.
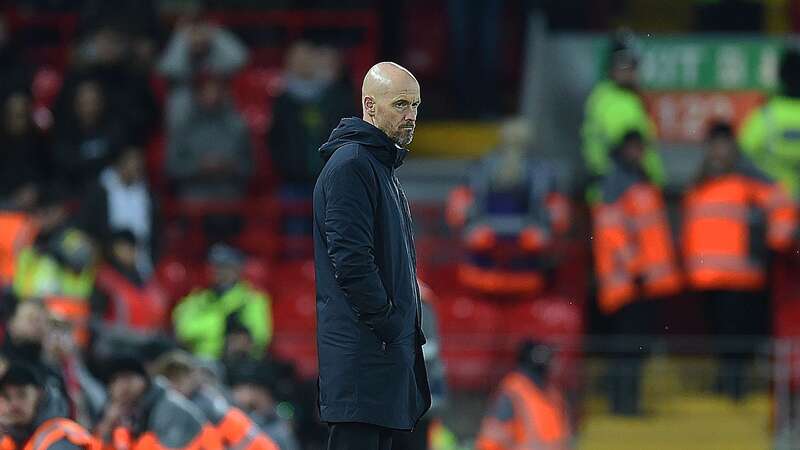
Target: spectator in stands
(37, 416)
(613, 109)
(26, 332)
(21, 231)
(33, 338)
(25, 156)
(527, 412)
(121, 200)
(771, 135)
(310, 106)
(16, 73)
(635, 265)
(61, 272)
(125, 297)
(58, 265)
(85, 137)
(511, 207)
(110, 342)
(252, 385)
(197, 47)
(205, 318)
(86, 395)
(104, 56)
(144, 413)
(734, 216)
(233, 426)
(332, 69)
(239, 343)
(314, 99)
(137, 19)
(209, 154)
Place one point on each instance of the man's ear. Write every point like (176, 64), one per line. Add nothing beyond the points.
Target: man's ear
(369, 106)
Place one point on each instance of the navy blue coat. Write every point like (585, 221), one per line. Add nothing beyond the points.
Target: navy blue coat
(369, 333)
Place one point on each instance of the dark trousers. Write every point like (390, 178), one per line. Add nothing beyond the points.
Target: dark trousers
(739, 320)
(359, 436)
(413, 440)
(632, 330)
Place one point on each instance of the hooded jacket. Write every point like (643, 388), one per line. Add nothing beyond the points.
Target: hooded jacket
(165, 419)
(369, 334)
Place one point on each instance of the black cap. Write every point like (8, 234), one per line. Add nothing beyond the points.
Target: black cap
(624, 48)
(119, 365)
(155, 347)
(21, 374)
(73, 247)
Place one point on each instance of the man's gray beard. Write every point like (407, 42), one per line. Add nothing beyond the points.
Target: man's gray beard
(402, 141)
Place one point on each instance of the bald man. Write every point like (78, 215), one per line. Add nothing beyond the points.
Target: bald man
(372, 378)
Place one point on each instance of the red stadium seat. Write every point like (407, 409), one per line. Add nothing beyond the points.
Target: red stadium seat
(254, 89)
(173, 277)
(257, 272)
(466, 314)
(541, 318)
(468, 327)
(300, 349)
(294, 297)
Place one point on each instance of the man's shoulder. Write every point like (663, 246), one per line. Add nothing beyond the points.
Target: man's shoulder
(212, 404)
(198, 296)
(350, 153)
(617, 183)
(175, 420)
(352, 157)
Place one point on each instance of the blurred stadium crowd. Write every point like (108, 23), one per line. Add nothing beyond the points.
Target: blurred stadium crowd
(137, 132)
(154, 199)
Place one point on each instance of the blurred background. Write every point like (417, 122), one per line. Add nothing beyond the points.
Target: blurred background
(604, 196)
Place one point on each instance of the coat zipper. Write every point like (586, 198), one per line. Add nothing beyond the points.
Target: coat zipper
(409, 241)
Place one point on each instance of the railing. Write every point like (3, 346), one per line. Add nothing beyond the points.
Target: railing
(691, 397)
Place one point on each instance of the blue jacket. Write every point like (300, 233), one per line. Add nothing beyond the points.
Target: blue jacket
(369, 334)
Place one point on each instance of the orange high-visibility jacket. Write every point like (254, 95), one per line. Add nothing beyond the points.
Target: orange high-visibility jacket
(483, 235)
(633, 247)
(16, 232)
(722, 245)
(122, 439)
(75, 311)
(238, 432)
(525, 417)
(142, 308)
(235, 429)
(54, 431)
(169, 422)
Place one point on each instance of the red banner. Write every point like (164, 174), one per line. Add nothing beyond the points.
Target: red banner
(685, 116)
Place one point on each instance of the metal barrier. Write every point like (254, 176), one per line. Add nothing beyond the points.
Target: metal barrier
(786, 395)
